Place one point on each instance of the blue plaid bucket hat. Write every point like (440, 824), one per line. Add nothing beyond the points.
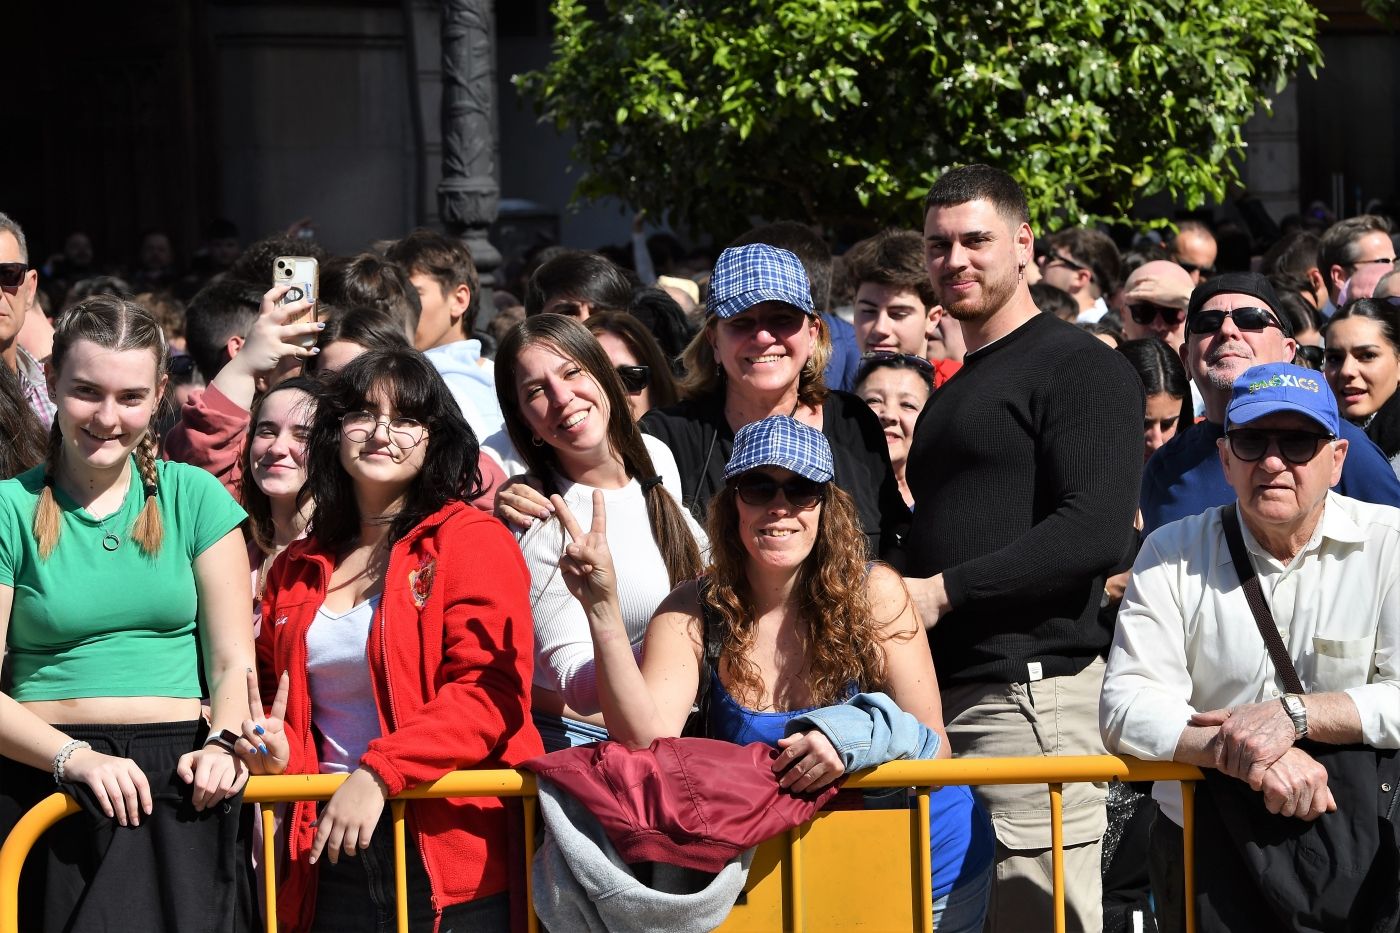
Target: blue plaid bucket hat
(784, 442)
(748, 275)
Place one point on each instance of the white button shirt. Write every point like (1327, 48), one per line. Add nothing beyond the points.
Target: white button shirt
(1187, 642)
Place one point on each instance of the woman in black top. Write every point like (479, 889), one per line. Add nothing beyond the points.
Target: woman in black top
(1362, 364)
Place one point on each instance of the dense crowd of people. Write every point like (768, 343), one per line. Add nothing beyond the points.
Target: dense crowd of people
(962, 491)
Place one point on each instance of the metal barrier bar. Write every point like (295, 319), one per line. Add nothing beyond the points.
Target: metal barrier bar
(400, 866)
(918, 774)
(1057, 852)
(925, 862)
(269, 828)
(1188, 844)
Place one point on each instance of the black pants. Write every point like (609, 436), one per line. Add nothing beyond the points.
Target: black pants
(1166, 863)
(356, 895)
(180, 870)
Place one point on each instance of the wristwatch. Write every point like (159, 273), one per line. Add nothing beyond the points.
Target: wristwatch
(226, 739)
(1297, 712)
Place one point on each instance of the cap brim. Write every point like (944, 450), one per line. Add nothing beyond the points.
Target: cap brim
(738, 304)
(1240, 415)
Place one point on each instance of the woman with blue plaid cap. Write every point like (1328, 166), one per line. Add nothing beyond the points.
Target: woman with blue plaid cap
(762, 352)
(788, 618)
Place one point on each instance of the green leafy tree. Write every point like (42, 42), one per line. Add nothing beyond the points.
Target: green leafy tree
(843, 111)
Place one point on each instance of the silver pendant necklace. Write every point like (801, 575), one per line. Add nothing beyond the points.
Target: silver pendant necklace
(110, 542)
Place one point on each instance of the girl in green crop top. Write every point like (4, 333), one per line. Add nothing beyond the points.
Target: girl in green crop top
(119, 573)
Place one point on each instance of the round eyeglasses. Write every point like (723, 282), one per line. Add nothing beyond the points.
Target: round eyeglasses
(404, 433)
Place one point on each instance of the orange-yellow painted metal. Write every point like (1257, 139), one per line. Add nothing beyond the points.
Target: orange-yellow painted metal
(775, 896)
(1188, 843)
(269, 855)
(1057, 852)
(400, 866)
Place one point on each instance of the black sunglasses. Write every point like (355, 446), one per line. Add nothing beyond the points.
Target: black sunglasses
(1251, 444)
(12, 274)
(1253, 319)
(1052, 258)
(889, 356)
(1205, 271)
(181, 365)
(1143, 313)
(634, 378)
(1309, 356)
(758, 488)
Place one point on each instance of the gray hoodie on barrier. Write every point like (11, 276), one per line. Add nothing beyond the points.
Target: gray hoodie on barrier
(581, 884)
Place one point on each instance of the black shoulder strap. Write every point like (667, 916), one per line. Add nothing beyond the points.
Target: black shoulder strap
(698, 725)
(1254, 595)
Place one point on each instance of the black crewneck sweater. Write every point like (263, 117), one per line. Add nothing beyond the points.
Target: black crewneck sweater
(1025, 469)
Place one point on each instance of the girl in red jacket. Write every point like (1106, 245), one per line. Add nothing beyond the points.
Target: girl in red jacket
(403, 622)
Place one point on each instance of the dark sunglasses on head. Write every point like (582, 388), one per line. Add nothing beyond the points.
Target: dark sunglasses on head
(181, 365)
(1205, 271)
(1143, 313)
(1309, 356)
(1251, 444)
(1255, 319)
(889, 356)
(634, 378)
(757, 488)
(12, 274)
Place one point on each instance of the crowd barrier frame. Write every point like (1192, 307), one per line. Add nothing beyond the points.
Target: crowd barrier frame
(923, 776)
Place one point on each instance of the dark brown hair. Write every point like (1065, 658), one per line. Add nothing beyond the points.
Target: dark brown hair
(255, 501)
(894, 258)
(644, 347)
(446, 261)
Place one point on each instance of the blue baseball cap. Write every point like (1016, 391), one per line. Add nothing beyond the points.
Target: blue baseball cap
(784, 442)
(748, 275)
(1274, 387)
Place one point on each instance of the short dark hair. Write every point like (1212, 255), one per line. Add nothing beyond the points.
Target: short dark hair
(1294, 254)
(254, 264)
(416, 390)
(1338, 245)
(1095, 249)
(445, 260)
(581, 275)
(979, 182)
(371, 328)
(222, 309)
(809, 248)
(644, 347)
(894, 258)
(659, 313)
(1051, 300)
(370, 281)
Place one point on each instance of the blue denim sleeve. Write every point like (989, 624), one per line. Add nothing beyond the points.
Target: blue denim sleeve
(869, 729)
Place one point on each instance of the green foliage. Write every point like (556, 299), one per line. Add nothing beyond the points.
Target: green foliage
(842, 112)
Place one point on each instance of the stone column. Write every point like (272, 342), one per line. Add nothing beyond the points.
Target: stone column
(469, 194)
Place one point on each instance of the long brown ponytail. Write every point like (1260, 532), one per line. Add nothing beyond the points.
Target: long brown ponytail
(114, 324)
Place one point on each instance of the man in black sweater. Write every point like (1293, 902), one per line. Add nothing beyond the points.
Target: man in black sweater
(1024, 469)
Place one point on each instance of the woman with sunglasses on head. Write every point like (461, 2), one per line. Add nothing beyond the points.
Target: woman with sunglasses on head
(119, 574)
(762, 351)
(566, 412)
(896, 386)
(1362, 365)
(640, 361)
(795, 617)
(403, 621)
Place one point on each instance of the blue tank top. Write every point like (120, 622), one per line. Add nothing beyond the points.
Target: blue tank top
(961, 840)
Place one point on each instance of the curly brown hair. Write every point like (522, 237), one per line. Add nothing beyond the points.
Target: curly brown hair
(842, 638)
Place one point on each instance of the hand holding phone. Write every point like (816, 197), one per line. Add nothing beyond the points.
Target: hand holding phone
(301, 275)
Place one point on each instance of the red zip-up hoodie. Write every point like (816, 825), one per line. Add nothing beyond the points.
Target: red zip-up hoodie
(450, 656)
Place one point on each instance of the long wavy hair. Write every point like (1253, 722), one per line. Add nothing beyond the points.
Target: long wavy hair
(415, 390)
(843, 638)
(570, 338)
(255, 501)
(113, 324)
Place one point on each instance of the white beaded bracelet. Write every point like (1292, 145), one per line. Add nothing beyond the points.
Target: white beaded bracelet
(61, 759)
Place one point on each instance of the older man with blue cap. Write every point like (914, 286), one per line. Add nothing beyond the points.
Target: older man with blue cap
(1192, 678)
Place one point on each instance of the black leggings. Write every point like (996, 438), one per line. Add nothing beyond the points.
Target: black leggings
(180, 871)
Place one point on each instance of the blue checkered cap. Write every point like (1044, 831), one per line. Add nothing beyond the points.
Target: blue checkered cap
(748, 275)
(784, 442)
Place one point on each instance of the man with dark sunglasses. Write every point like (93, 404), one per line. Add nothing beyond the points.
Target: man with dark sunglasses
(1346, 250)
(1156, 295)
(1194, 249)
(18, 283)
(1086, 264)
(1232, 323)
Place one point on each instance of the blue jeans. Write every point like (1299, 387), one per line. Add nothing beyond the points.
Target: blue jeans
(559, 733)
(963, 909)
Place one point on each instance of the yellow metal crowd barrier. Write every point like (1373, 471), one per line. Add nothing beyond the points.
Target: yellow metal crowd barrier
(811, 857)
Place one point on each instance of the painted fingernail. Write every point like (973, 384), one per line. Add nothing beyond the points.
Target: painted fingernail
(315, 350)
(258, 729)
(262, 749)
(320, 325)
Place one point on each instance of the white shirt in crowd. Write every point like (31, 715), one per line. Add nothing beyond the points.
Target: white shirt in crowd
(1186, 641)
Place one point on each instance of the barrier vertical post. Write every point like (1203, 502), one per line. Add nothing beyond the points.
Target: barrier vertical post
(269, 854)
(1188, 845)
(1057, 852)
(799, 918)
(400, 866)
(532, 920)
(923, 880)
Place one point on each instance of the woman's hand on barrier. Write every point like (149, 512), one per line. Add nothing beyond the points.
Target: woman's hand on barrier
(587, 562)
(807, 762)
(215, 774)
(521, 501)
(1296, 785)
(264, 747)
(348, 821)
(120, 787)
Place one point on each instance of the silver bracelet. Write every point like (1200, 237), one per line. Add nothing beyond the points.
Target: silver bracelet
(61, 759)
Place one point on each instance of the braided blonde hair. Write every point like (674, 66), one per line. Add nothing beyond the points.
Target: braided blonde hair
(114, 324)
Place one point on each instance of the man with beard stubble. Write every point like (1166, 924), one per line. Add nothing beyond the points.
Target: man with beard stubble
(1024, 471)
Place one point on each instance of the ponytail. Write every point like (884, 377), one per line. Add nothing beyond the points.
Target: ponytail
(148, 531)
(48, 519)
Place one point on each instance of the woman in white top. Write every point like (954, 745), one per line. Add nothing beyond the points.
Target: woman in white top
(566, 411)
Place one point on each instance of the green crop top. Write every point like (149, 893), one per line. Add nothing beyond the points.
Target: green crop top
(91, 622)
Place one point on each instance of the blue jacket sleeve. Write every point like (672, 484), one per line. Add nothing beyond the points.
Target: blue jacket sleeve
(869, 729)
(1366, 474)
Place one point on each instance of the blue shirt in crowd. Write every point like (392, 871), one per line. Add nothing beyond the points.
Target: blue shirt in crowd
(1185, 477)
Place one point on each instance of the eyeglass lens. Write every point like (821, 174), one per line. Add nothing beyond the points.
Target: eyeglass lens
(1293, 446)
(760, 489)
(1208, 322)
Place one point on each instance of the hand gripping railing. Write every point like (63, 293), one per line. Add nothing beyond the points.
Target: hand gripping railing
(922, 775)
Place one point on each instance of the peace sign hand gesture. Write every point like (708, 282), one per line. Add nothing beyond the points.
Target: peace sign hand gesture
(587, 562)
(264, 747)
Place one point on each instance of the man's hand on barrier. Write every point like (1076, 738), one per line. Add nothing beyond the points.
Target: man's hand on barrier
(1252, 737)
(1296, 785)
(348, 820)
(807, 762)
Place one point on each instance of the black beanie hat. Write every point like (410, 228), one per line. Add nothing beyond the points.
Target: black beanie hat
(1237, 283)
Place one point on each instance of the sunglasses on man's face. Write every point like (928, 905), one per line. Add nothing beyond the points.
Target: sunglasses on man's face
(1309, 356)
(1144, 312)
(1251, 444)
(759, 489)
(1205, 271)
(12, 274)
(634, 378)
(1050, 259)
(1250, 319)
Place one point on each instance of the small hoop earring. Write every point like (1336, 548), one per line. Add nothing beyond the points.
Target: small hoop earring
(537, 441)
